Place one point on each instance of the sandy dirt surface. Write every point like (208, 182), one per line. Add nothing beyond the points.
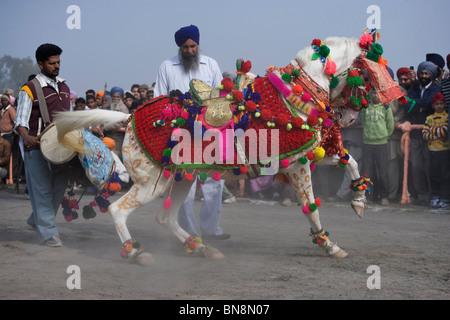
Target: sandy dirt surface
(269, 256)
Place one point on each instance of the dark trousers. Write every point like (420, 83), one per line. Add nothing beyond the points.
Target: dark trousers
(440, 174)
(375, 159)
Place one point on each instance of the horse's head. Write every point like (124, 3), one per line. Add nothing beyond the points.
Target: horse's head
(347, 54)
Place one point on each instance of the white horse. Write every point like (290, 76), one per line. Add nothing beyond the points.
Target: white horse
(149, 180)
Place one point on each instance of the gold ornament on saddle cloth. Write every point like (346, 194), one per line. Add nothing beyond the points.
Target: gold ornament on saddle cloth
(218, 112)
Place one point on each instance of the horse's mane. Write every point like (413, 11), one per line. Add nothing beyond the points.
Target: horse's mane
(343, 52)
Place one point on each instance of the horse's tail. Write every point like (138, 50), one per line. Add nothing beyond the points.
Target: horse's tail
(67, 122)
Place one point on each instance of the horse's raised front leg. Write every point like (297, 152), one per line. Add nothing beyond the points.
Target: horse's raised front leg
(168, 217)
(300, 177)
(358, 186)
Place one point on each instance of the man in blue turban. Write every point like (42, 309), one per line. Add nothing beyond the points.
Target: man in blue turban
(418, 109)
(175, 74)
(186, 33)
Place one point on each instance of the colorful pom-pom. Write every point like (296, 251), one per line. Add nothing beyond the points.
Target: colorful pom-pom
(238, 95)
(306, 97)
(297, 89)
(216, 176)
(318, 202)
(284, 163)
(203, 176)
(250, 106)
(189, 177)
(330, 67)
(243, 170)
(310, 156)
(166, 174)
(306, 210)
(302, 160)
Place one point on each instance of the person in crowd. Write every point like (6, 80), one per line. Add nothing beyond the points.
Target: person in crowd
(150, 92)
(106, 100)
(265, 187)
(128, 100)
(417, 109)
(5, 156)
(143, 88)
(406, 78)
(99, 99)
(378, 125)
(135, 91)
(439, 62)
(352, 138)
(116, 131)
(46, 187)
(435, 132)
(175, 74)
(73, 97)
(80, 104)
(395, 158)
(91, 103)
(445, 84)
(89, 92)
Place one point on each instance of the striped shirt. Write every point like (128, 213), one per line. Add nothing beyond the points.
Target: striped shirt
(435, 131)
(445, 89)
(24, 103)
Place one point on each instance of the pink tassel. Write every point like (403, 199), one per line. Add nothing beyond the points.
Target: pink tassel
(167, 203)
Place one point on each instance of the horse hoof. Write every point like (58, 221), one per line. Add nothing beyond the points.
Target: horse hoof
(358, 207)
(211, 253)
(144, 259)
(339, 254)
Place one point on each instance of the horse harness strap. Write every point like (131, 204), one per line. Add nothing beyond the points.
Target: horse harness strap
(308, 84)
(42, 104)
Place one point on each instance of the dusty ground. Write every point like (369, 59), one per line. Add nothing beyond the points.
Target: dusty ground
(268, 257)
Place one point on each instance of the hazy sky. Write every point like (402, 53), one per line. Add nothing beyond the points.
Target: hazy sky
(122, 42)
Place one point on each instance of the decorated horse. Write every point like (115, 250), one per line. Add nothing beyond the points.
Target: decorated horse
(295, 112)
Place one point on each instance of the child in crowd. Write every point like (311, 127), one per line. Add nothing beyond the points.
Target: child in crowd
(378, 125)
(435, 131)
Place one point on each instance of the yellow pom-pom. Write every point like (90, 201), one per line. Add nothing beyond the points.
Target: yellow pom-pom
(319, 152)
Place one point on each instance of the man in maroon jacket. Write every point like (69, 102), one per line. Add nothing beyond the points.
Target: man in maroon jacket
(39, 99)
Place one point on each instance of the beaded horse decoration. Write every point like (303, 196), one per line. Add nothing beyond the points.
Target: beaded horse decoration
(306, 103)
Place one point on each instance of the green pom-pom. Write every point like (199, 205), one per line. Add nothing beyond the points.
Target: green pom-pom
(377, 48)
(302, 160)
(286, 77)
(355, 81)
(327, 233)
(181, 122)
(88, 212)
(203, 176)
(371, 55)
(334, 82)
(296, 73)
(313, 207)
(167, 153)
(324, 51)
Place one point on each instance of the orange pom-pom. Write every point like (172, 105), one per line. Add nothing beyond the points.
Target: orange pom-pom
(189, 177)
(114, 186)
(297, 89)
(243, 170)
